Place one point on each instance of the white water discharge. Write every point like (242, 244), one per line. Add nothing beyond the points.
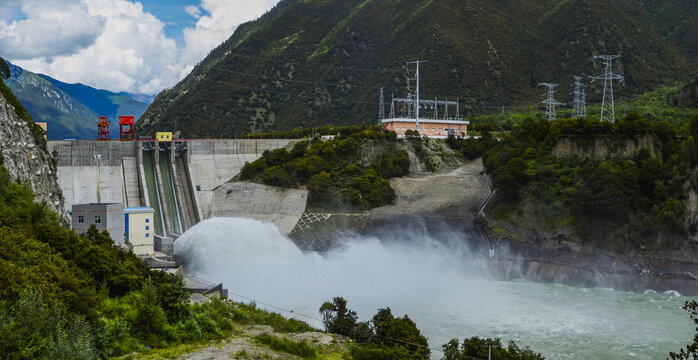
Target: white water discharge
(441, 286)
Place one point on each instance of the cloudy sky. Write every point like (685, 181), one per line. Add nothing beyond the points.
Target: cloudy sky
(119, 45)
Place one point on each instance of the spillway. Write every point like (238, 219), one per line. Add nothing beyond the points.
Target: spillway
(169, 193)
(153, 193)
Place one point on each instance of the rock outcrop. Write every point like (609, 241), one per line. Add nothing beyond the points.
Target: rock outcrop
(28, 162)
(602, 148)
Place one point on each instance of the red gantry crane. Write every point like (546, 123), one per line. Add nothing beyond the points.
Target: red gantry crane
(126, 125)
(103, 129)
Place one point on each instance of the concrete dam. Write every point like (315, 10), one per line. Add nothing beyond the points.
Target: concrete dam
(184, 181)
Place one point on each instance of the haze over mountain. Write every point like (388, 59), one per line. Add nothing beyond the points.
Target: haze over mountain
(308, 63)
(71, 110)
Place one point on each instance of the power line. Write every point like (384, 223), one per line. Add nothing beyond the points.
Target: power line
(293, 81)
(340, 100)
(315, 65)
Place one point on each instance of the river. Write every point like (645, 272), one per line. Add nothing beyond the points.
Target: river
(441, 285)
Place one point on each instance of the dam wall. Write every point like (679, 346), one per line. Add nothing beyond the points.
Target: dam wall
(178, 179)
(93, 171)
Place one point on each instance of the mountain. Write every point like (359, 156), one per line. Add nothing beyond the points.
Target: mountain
(70, 110)
(313, 62)
(678, 22)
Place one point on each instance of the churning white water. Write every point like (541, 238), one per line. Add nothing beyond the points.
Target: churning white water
(440, 285)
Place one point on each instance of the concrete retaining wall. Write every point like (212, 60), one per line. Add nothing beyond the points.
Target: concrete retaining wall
(214, 162)
(283, 207)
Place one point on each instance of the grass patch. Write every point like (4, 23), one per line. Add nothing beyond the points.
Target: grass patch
(249, 314)
(301, 349)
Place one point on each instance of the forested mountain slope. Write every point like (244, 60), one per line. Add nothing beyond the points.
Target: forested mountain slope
(70, 110)
(315, 62)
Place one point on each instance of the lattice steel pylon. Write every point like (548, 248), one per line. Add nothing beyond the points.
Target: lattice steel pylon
(381, 108)
(608, 111)
(579, 101)
(415, 78)
(550, 102)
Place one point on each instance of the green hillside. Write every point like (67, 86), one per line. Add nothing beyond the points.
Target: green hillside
(70, 110)
(309, 63)
(65, 116)
(678, 22)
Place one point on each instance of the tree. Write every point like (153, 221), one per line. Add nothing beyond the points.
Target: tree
(396, 332)
(691, 350)
(476, 347)
(321, 188)
(337, 318)
(4, 70)
(510, 178)
(150, 319)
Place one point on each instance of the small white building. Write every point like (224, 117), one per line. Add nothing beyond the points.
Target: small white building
(139, 228)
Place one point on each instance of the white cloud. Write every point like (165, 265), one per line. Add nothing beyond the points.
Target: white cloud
(115, 44)
(225, 16)
(52, 28)
(131, 54)
(193, 11)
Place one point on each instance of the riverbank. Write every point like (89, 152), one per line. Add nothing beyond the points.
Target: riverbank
(455, 201)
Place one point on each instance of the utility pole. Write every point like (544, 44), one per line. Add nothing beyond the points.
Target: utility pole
(415, 77)
(392, 106)
(608, 111)
(550, 101)
(381, 109)
(579, 109)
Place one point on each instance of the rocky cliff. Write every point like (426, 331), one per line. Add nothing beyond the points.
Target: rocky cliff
(602, 148)
(26, 160)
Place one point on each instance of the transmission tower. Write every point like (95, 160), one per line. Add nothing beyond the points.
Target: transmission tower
(579, 109)
(608, 111)
(392, 106)
(550, 101)
(415, 78)
(381, 109)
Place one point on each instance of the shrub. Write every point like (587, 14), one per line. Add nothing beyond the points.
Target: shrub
(301, 349)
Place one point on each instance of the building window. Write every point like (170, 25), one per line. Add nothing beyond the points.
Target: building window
(147, 227)
(98, 220)
(147, 220)
(81, 219)
(147, 235)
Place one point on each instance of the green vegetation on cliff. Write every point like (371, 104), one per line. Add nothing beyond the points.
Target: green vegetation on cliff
(618, 186)
(334, 171)
(65, 296)
(37, 132)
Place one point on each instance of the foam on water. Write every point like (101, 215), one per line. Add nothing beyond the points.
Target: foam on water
(439, 284)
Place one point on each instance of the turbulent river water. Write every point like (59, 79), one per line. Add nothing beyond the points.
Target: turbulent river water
(441, 285)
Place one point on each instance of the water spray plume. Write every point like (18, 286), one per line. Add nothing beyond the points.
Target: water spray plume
(441, 284)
